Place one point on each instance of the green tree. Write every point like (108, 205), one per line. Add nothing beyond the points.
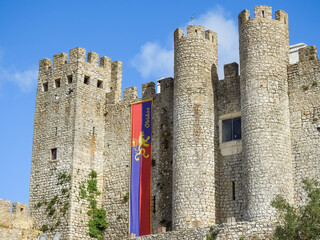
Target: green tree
(299, 223)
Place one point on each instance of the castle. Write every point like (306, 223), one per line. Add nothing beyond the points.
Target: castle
(221, 149)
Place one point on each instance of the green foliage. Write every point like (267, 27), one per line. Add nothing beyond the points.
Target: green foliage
(302, 223)
(213, 233)
(314, 83)
(305, 87)
(242, 238)
(44, 228)
(63, 178)
(126, 197)
(39, 204)
(89, 190)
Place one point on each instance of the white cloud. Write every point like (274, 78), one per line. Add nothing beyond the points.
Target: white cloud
(227, 30)
(25, 79)
(154, 60)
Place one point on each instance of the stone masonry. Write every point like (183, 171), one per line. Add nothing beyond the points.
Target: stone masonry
(221, 149)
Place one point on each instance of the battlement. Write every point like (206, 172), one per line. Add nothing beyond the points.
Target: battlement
(76, 55)
(261, 13)
(196, 32)
(231, 70)
(308, 53)
(18, 209)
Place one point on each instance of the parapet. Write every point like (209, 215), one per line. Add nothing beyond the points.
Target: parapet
(196, 32)
(307, 53)
(262, 12)
(130, 93)
(5, 206)
(19, 209)
(231, 70)
(148, 90)
(75, 55)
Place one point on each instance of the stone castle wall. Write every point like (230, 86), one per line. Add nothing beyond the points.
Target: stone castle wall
(264, 59)
(195, 55)
(16, 225)
(304, 83)
(197, 179)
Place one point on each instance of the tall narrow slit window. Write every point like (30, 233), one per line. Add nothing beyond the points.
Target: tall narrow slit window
(231, 129)
(53, 154)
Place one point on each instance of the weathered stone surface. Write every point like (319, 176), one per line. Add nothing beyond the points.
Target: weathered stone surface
(198, 180)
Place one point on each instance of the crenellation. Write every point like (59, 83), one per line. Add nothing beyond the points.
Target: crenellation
(130, 93)
(178, 33)
(308, 53)
(263, 12)
(77, 55)
(19, 209)
(45, 64)
(244, 17)
(231, 70)
(105, 62)
(218, 146)
(211, 36)
(282, 16)
(93, 58)
(59, 59)
(195, 31)
(148, 90)
(5, 206)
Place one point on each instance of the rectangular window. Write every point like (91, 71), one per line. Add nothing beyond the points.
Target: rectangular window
(231, 129)
(86, 80)
(69, 79)
(57, 83)
(53, 154)
(45, 87)
(99, 84)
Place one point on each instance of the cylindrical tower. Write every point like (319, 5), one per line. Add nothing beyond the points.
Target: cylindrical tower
(195, 56)
(264, 57)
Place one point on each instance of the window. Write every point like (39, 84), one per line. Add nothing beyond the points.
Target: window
(231, 129)
(99, 84)
(53, 154)
(86, 80)
(45, 87)
(69, 79)
(57, 83)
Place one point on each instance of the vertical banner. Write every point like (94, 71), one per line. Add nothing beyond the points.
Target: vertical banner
(140, 177)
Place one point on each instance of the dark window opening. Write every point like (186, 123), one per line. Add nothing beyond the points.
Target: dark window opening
(69, 79)
(57, 83)
(56, 131)
(154, 204)
(53, 154)
(231, 129)
(21, 209)
(45, 87)
(99, 84)
(111, 89)
(196, 33)
(86, 80)
(233, 190)
(93, 131)
(263, 14)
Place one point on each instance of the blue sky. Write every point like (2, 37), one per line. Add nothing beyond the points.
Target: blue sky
(138, 33)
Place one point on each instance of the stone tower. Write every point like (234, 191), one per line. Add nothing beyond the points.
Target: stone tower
(195, 56)
(69, 133)
(264, 58)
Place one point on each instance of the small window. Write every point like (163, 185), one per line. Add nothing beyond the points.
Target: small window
(45, 87)
(233, 190)
(86, 80)
(231, 129)
(53, 154)
(69, 79)
(99, 84)
(263, 14)
(57, 83)
(111, 89)
(196, 33)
